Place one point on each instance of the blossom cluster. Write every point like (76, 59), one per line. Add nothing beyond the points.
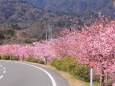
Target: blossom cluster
(95, 43)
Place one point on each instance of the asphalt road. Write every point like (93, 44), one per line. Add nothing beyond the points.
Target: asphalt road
(23, 74)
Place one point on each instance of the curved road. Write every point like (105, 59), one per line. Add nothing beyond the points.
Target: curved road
(22, 74)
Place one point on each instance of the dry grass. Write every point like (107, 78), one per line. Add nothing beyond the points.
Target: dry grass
(72, 81)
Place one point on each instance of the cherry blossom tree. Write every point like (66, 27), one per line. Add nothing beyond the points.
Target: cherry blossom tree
(94, 43)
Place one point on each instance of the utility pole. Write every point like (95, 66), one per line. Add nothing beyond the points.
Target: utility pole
(48, 33)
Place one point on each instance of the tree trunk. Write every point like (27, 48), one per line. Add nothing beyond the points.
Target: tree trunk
(102, 80)
(46, 60)
(106, 79)
(103, 76)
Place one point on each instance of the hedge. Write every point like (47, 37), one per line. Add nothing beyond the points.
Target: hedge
(32, 59)
(8, 57)
(70, 65)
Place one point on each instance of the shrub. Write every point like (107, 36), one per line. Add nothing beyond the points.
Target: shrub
(2, 36)
(9, 32)
(14, 58)
(82, 72)
(29, 41)
(96, 78)
(56, 63)
(66, 64)
(32, 59)
(40, 61)
(6, 57)
(70, 65)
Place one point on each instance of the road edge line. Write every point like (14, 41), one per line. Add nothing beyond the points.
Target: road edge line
(49, 75)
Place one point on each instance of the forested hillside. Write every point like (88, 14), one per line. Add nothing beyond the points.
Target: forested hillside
(24, 22)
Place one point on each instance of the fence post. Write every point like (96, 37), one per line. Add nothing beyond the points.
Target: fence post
(91, 73)
(91, 76)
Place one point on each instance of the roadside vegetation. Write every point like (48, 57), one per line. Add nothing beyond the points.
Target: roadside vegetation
(34, 60)
(8, 57)
(70, 65)
(28, 59)
(76, 74)
(93, 44)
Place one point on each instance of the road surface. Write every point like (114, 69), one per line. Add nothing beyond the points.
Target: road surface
(23, 74)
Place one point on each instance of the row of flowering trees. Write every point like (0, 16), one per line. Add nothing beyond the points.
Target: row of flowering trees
(95, 43)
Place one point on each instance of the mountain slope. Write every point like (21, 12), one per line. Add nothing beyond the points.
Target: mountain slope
(76, 6)
(27, 20)
(21, 21)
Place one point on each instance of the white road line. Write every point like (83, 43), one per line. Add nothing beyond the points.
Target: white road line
(49, 75)
(4, 71)
(1, 76)
(4, 68)
(1, 66)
